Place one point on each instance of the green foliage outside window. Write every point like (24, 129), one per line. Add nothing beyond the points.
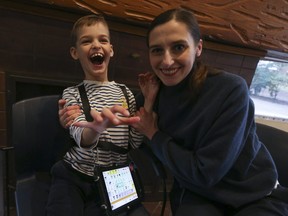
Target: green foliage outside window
(270, 76)
(269, 90)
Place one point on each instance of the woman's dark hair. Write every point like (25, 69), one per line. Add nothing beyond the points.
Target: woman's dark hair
(181, 15)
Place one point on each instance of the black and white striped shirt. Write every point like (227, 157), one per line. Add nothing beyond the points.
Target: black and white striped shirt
(100, 95)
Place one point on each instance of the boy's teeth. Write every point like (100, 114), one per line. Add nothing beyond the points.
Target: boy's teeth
(97, 58)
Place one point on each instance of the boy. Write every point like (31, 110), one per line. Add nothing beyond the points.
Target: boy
(73, 190)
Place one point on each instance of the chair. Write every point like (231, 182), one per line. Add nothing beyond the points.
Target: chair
(276, 141)
(38, 141)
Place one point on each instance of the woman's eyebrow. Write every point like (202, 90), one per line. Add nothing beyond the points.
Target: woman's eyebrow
(154, 46)
(179, 41)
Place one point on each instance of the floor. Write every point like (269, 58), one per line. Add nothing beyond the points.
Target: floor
(154, 208)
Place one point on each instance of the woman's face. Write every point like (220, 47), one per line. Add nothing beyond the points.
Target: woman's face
(172, 52)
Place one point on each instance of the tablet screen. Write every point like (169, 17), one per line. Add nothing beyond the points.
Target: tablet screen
(120, 186)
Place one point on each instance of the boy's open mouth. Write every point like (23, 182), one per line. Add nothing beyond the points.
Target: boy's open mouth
(97, 58)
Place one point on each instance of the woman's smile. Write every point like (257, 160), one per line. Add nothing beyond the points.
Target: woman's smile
(169, 72)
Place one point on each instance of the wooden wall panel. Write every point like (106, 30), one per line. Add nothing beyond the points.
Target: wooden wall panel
(37, 48)
(3, 106)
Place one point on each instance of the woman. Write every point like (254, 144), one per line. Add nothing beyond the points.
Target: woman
(203, 129)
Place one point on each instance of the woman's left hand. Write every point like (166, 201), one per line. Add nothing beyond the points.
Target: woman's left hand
(147, 124)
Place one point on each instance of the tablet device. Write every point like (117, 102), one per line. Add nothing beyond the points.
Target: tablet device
(120, 187)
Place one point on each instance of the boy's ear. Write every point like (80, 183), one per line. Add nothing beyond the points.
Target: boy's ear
(73, 53)
(111, 51)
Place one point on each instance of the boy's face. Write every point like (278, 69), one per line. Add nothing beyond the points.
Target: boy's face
(93, 49)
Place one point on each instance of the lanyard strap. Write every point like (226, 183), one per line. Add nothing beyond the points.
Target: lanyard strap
(108, 146)
(85, 102)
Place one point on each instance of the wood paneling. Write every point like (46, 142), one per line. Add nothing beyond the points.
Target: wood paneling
(38, 49)
(3, 107)
(255, 24)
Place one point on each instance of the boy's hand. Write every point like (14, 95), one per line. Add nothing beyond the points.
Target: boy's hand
(113, 116)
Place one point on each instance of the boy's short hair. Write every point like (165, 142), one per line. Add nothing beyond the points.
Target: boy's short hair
(86, 21)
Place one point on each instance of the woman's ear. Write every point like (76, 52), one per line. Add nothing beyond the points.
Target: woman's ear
(199, 48)
(73, 53)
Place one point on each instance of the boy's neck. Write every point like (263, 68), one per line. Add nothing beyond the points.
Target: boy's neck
(97, 81)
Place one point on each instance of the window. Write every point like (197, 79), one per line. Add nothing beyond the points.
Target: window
(269, 90)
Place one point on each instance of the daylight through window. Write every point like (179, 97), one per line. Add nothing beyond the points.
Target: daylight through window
(269, 90)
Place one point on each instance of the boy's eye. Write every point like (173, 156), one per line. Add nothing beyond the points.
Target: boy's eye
(104, 40)
(86, 41)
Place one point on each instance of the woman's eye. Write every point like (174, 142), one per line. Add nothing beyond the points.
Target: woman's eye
(179, 48)
(156, 51)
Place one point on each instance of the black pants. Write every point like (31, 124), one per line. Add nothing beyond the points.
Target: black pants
(186, 203)
(72, 195)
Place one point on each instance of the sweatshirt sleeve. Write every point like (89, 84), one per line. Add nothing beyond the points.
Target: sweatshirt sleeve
(220, 139)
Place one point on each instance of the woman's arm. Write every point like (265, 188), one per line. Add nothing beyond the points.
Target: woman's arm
(67, 114)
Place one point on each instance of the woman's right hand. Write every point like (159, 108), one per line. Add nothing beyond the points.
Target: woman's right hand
(149, 85)
(67, 114)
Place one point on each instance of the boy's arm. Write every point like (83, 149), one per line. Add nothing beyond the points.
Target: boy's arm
(108, 117)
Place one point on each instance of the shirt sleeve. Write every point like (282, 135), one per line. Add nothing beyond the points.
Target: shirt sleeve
(72, 97)
(136, 138)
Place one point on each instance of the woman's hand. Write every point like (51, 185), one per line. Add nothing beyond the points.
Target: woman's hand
(147, 124)
(67, 114)
(149, 85)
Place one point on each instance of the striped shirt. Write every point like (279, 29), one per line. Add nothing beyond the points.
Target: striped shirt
(100, 95)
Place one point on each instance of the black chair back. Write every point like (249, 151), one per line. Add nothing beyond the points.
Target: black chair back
(276, 141)
(39, 141)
